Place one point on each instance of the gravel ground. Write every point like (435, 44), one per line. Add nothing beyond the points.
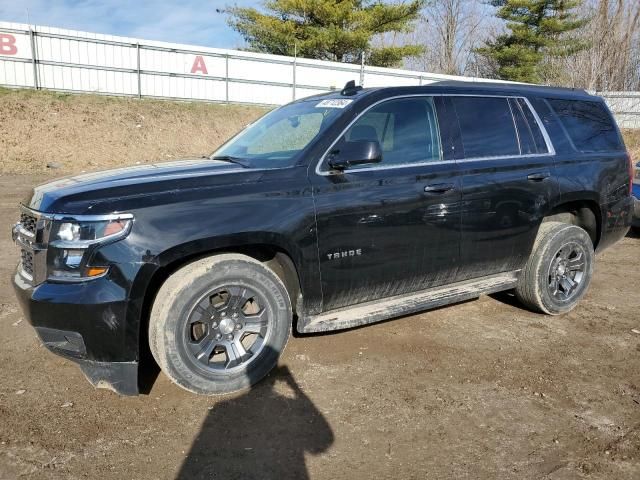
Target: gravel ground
(482, 389)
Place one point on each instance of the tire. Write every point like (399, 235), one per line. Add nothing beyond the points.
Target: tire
(559, 270)
(203, 303)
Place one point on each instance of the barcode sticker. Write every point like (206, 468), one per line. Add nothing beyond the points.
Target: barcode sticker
(334, 103)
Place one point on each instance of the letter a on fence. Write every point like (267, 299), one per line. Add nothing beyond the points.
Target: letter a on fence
(199, 65)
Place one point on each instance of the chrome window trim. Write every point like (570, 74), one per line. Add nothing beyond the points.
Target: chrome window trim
(502, 157)
(385, 167)
(551, 150)
(547, 139)
(516, 105)
(515, 126)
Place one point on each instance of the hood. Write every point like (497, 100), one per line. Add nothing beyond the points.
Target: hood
(83, 193)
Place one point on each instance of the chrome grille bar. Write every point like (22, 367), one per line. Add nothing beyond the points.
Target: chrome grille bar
(31, 234)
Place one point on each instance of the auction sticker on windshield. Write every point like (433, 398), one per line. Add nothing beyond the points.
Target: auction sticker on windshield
(334, 103)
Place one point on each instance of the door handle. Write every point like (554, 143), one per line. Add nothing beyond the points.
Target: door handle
(538, 176)
(439, 188)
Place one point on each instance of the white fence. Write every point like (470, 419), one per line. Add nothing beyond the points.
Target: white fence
(625, 106)
(68, 60)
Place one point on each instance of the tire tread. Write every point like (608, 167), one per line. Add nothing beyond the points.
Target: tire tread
(177, 283)
(528, 290)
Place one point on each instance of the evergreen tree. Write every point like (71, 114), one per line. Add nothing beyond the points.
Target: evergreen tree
(338, 30)
(537, 29)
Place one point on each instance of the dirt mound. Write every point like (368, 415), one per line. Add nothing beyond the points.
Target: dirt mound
(93, 132)
(632, 140)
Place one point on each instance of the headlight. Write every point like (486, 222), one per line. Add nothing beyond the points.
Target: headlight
(72, 241)
(87, 232)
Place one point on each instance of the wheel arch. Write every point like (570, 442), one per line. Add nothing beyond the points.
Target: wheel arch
(275, 255)
(584, 213)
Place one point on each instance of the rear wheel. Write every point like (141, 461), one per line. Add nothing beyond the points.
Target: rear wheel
(219, 324)
(559, 269)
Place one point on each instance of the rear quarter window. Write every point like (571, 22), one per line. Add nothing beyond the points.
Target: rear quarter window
(534, 128)
(589, 125)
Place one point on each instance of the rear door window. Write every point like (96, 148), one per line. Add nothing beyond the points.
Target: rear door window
(486, 126)
(588, 124)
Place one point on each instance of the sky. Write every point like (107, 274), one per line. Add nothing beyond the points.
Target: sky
(180, 21)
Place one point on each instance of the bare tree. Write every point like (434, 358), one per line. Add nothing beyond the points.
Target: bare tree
(450, 30)
(612, 61)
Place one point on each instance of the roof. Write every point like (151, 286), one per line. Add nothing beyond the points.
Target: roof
(453, 87)
(511, 87)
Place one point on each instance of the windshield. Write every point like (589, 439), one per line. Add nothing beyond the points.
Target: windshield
(275, 139)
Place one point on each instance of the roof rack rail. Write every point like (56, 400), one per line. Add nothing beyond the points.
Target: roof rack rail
(350, 88)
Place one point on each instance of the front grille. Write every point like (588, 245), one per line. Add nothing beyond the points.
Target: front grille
(31, 235)
(28, 222)
(26, 260)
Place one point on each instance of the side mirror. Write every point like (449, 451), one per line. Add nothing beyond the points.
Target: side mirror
(358, 152)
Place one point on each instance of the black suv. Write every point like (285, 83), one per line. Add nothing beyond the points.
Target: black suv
(330, 212)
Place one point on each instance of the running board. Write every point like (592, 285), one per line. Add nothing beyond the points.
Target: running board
(378, 310)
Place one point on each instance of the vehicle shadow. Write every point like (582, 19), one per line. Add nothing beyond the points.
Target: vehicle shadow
(508, 297)
(265, 433)
(148, 371)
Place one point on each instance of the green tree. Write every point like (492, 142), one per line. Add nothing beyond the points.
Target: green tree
(338, 30)
(538, 29)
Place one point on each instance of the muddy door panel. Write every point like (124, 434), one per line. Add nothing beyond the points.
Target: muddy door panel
(502, 210)
(507, 175)
(381, 234)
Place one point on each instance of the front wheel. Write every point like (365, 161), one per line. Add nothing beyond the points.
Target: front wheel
(559, 269)
(219, 324)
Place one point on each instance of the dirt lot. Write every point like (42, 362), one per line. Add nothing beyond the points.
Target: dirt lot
(482, 389)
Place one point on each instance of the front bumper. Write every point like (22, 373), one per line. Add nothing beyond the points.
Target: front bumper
(85, 322)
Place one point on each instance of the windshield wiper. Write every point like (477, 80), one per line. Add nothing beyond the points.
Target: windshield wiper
(231, 159)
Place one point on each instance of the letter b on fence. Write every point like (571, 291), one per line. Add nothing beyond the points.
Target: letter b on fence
(8, 44)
